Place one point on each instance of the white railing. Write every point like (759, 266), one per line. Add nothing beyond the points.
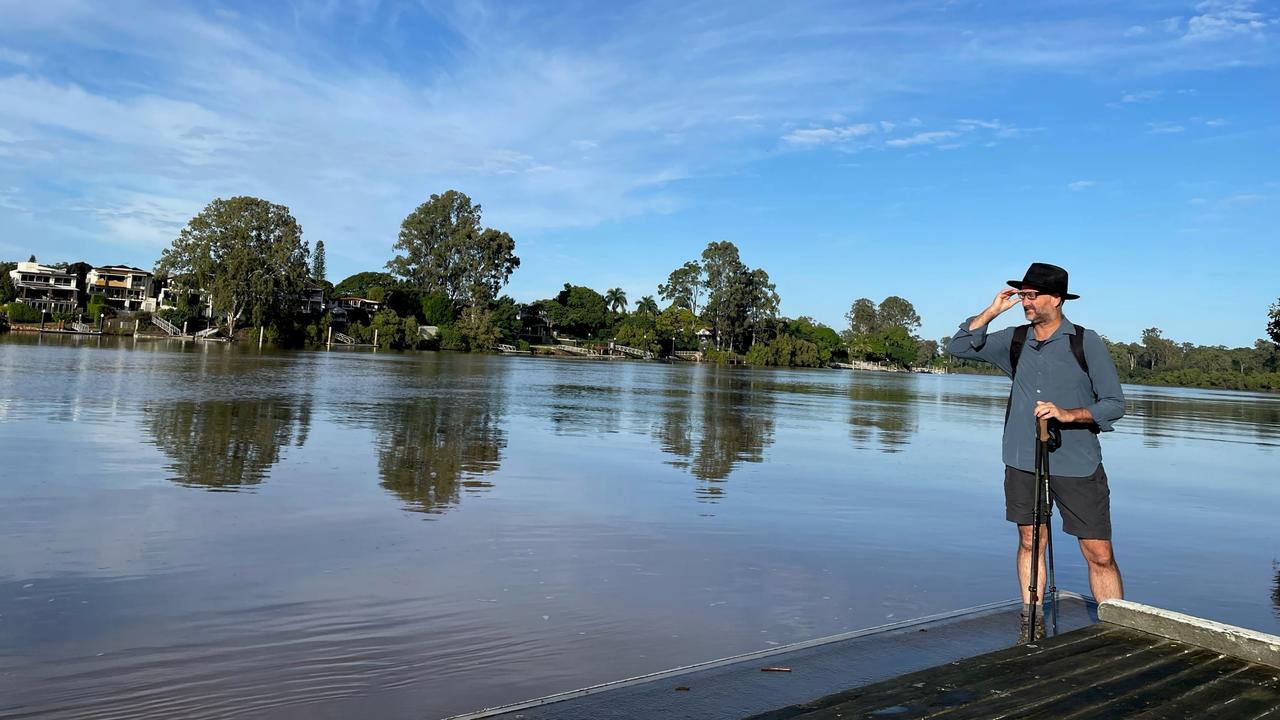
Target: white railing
(574, 349)
(693, 355)
(81, 327)
(344, 338)
(207, 332)
(633, 352)
(165, 325)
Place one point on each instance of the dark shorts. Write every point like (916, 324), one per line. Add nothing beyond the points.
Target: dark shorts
(1084, 503)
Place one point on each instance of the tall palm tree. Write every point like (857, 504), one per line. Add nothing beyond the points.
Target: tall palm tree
(647, 305)
(616, 299)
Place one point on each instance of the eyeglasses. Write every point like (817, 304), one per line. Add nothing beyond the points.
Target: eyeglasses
(1030, 294)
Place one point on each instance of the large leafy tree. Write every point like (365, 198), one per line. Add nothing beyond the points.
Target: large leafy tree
(364, 284)
(443, 248)
(578, 311)
(897, 312)
(684, 286)
(247, 253)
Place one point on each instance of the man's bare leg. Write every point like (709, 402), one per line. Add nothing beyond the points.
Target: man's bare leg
(1104, 574)
(1024, 562)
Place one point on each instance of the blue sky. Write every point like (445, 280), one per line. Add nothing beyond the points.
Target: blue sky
(924, 149)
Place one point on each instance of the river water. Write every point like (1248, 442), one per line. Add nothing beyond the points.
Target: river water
(213, 531)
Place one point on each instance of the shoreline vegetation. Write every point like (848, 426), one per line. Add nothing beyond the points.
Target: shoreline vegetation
(241, 266)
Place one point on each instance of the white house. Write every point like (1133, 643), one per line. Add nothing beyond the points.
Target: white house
(45, 288)
(120, 286)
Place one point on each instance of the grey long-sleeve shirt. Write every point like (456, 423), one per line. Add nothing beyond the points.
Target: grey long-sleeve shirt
(1048, 371)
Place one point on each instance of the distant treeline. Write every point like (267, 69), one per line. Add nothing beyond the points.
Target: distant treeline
(1157, 360)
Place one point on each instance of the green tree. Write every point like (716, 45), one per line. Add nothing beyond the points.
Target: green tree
(6, 283)
(363, 284)
(443, 248)
(679, 326)
(761, 302)
(639, 330)
(438, 310)
(247, 253)
(823, 338)
(616, 299)
(862, 317)
(578, 311)
(723, 268)
(897, 312)
(32, 258)
(505, 316)
(317, 263)
(926, 353)
(647, 305)
(684, 286)
(1273, 323)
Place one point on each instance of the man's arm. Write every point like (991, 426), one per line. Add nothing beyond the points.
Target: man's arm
(971, 341)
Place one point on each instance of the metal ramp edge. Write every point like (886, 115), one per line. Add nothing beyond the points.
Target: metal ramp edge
(975, 611)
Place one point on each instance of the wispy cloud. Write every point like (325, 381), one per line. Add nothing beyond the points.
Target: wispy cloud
(1139, 97)
(819, 136)
(930, 137)
(1164, 128)
(1079, 185)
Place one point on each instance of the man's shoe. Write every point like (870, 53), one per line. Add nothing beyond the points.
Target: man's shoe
(1024, 628)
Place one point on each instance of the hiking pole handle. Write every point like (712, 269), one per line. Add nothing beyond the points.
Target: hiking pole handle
(1042, 429)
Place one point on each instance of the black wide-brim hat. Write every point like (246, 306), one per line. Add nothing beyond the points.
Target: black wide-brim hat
(1045, 278)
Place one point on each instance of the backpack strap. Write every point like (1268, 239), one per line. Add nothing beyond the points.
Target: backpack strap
(1077, 349)
(1015, 352)
(1015, 347)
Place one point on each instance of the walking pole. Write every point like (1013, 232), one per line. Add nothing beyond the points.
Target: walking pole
(1033, 588)
(1050, 439)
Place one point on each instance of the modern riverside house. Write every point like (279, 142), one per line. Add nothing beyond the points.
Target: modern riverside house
(50, 289)
(121, 286)
(312, 300)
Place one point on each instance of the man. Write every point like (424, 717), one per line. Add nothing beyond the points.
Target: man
(1076, 386)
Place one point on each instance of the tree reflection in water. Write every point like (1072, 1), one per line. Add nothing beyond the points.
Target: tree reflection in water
(883, 414)
(724, 420)
(429, 449)
(225, 445)
(1275, 587)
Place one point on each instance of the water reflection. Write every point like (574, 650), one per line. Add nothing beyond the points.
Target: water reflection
(225, 445)
(883, 415)
(1226, 417)
(722, 421)
(582, 409)
(1275, 588)
(430, 449)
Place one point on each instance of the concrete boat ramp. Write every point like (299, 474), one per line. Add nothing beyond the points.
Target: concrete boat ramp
(1118, 661)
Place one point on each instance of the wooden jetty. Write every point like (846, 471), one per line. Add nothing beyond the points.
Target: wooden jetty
(1133, 661)
(1139, 662)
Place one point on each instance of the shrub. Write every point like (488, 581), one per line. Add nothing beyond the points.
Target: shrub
(23, 313)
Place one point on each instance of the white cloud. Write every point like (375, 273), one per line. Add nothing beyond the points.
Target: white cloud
(1138, 97)
(1079, 185)
(922, 138)
(1164, 128)
(819, 136)
(1219, 19)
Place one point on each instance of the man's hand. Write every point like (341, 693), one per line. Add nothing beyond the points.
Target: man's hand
(1004, 300)
(1063, 415)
